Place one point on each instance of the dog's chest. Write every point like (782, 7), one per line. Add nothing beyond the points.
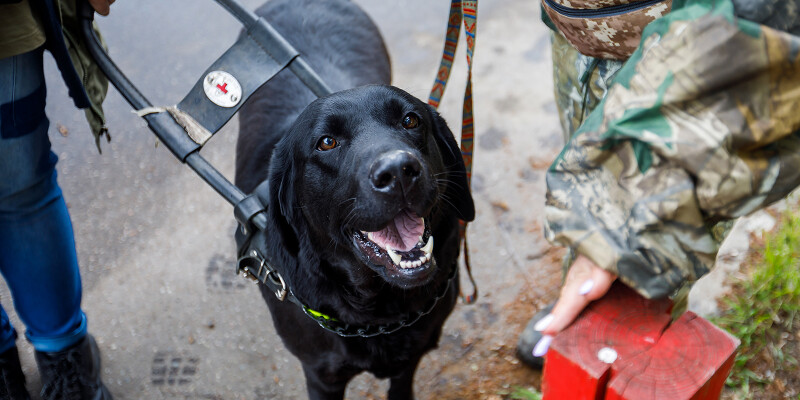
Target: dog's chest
(384, 356)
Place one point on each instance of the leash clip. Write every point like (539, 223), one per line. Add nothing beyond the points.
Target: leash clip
(247, 264)
(254, 262)
(277, 279)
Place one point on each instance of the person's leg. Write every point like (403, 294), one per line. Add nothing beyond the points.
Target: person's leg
(39, 263)
(37, 247)
(8, 336)
(16, 151)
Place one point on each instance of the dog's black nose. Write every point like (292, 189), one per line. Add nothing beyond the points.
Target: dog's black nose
(393, 169)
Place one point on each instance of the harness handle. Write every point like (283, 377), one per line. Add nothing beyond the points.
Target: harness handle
(273, 46)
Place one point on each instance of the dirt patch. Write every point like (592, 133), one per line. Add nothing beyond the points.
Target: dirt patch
(486, 366)
(782, 382)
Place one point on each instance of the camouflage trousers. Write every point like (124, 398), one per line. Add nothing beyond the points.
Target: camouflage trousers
(580, 82)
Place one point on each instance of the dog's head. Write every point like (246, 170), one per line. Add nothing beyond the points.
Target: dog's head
(363, 176)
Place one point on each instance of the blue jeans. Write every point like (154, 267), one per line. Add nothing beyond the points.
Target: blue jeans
(37, 245)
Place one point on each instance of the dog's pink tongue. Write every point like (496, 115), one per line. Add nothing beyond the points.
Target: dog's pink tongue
(402, 234)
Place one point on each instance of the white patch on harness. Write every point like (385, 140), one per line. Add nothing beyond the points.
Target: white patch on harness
(222, 89)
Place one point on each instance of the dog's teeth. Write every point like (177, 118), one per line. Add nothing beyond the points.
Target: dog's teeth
(394, 256)
(428, 249)
(419, 241)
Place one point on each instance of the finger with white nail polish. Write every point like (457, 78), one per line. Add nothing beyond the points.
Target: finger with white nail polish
(586, 287)
(543, 323)
(542, 346)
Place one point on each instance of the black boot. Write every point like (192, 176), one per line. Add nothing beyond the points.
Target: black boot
(12, 381)
(72, 374)
(529, 338)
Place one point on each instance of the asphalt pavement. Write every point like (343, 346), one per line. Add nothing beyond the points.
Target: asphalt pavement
(155, 242)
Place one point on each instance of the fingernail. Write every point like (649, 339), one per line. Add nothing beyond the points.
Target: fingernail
(541, 347)
(542, 323)
(586, 287)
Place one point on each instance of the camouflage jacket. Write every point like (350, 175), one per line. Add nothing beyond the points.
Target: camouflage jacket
(698, 127)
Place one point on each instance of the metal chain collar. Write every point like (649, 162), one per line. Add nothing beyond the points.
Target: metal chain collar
(256, 268)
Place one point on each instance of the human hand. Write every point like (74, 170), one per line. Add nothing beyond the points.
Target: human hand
(585, 283)
(103, 7)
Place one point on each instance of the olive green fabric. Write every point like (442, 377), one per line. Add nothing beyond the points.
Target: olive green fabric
(20, 32)
(697, 128)
(94, 80)
(580, 83)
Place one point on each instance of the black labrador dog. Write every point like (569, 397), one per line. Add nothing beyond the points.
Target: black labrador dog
(366, 190)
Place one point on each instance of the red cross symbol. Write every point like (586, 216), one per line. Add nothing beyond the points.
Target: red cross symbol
(222, 88)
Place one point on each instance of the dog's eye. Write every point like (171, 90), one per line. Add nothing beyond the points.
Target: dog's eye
(326, 143)
(410, 121)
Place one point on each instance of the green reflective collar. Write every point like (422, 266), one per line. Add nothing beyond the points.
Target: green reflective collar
(317, 314)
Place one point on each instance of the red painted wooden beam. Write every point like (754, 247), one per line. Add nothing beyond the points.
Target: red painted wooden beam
(625, 347)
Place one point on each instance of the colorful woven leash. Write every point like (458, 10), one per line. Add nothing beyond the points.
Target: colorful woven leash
(467, 11)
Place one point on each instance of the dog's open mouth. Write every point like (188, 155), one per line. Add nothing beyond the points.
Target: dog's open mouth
(404, 247)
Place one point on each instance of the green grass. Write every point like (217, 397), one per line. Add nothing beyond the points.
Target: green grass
(521, 393)
(765, 306)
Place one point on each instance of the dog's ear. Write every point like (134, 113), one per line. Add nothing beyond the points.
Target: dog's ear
(281, 196)
(458, 192)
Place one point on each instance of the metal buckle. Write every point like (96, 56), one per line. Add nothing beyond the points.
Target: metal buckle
(279, 293)
(246, 265)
